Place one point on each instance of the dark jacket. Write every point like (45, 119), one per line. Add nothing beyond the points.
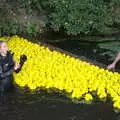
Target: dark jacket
(6, 72)
(6, 66)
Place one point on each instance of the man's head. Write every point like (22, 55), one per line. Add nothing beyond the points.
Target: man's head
(3, 47)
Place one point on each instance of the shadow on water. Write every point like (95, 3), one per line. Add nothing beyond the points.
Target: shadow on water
(90, 50)
(16, 106)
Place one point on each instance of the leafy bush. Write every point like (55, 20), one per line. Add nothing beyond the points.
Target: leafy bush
(70, 16)
(21, 17)
(11, 28)
(112, 49)
(80, 16)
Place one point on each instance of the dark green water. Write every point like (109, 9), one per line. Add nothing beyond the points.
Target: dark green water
(16, 106)
(90, 50)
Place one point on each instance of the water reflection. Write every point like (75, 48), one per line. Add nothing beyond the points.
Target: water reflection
(19, 106)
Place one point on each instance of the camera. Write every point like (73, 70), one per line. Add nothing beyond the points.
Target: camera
(23, 58)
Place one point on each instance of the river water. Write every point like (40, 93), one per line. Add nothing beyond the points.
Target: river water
(18, 106)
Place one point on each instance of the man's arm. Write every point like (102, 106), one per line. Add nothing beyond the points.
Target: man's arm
(117, 58)
(23, 58)
(16, 69)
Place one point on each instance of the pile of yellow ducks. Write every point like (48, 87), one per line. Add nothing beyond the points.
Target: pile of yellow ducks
(52, 69)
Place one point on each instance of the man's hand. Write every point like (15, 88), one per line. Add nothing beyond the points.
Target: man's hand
(17, 65)
(111, 66)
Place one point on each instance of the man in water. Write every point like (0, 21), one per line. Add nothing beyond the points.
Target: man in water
(7, 67)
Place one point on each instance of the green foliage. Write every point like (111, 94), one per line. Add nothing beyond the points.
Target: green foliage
(80, 16)
(31, 29)
(12, 28)
(30, 4)
(111, 49)
(9, 28)
(70, 16)
(21, 18)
